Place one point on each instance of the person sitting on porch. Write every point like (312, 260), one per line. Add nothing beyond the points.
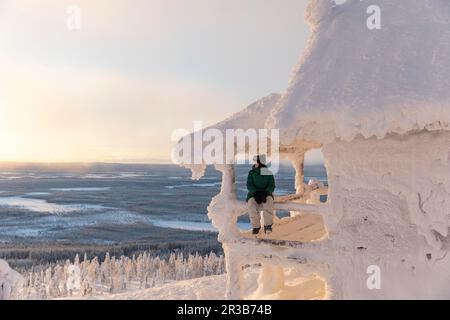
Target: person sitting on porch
(260, 185)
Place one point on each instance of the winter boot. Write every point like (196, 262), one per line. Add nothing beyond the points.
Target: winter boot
(268, 229)
(256, 230)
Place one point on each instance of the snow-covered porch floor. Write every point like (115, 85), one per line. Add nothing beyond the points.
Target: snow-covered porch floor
(306, 227)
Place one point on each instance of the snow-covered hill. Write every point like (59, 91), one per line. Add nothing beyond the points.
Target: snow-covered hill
(206, 288)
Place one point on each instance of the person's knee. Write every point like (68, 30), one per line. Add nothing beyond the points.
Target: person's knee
(251, 204)
(269, 204)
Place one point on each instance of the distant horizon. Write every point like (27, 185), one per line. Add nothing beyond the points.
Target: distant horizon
(312, 158)
(56, 163)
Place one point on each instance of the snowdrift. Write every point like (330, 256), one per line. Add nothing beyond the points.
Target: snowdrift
(11, 282)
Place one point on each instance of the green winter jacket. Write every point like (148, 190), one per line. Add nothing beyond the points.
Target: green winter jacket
(257, 182)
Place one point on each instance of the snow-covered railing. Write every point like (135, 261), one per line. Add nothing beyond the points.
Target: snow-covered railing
(294, 206)
(290, 206)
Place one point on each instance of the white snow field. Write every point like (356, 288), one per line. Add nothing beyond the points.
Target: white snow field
(213, 288)
(205, 288)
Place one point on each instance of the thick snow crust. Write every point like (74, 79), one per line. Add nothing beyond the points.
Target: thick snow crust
(355, 81)
(390, 208)
(414, 169)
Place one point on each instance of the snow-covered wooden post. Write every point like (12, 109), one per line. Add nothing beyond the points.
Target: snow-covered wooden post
(298, 161)
(223, 209)
(223, 212)
(228, 180)
(234, 273)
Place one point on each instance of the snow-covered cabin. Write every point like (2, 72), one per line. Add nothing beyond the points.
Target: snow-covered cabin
(377, 101)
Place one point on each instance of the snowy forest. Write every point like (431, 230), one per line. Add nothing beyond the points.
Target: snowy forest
(113, 275)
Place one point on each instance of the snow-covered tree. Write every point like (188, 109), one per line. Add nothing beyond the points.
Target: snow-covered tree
(115, 274)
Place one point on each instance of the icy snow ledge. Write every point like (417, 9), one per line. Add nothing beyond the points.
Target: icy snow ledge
(354, 81)
(318, 10)
(197, 170)
(11, 282)
(253, 116)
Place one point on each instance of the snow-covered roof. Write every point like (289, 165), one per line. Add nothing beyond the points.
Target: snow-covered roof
(352, 80)
(252, 117)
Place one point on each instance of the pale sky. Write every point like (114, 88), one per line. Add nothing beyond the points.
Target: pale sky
(136, 70)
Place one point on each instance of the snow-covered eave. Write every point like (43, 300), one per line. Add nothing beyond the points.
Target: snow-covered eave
(252, 117)
(313, 133)
(290, 152)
